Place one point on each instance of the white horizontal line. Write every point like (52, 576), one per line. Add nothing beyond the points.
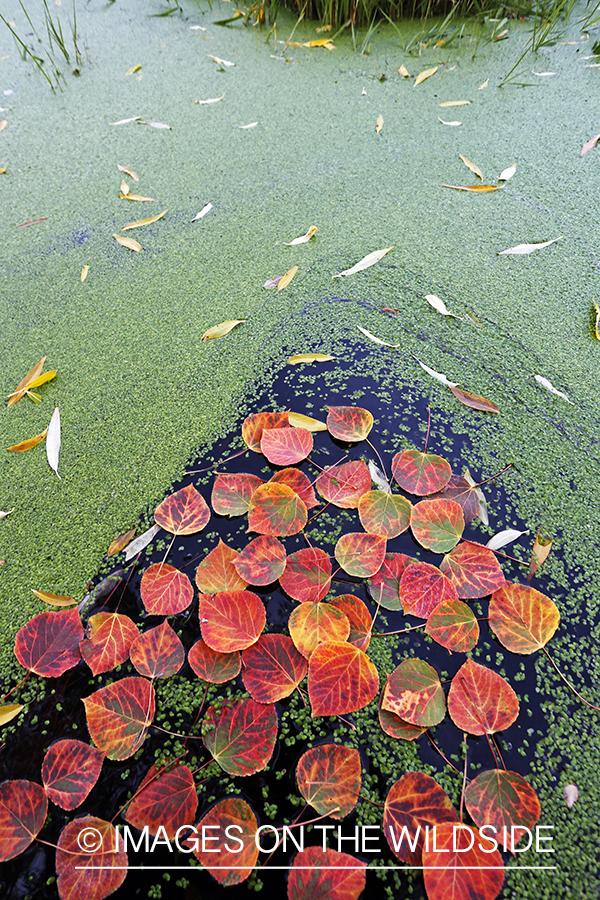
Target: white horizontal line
(341, 868)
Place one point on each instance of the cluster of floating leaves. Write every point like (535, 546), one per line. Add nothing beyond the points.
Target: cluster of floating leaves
(327, 646)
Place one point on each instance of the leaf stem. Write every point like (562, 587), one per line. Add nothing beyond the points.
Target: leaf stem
(378, 456)
(570, 686)
(428, 428)
(220, 463)
(441, 753)
(464, 784)
(17, 685)
(402, 630)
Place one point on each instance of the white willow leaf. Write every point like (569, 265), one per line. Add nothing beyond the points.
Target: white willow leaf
(128, 242)
(140, 542)
(84, 273)
(376, 340)
(550, 387)
(504, 537)
(205, 209)
(507, 174)
(155, 125)
(210, 100)
(439, 304)
(251, 125)
(378, 478)
(197, 28)
(437, 375)
(219, 61)
(483, 86)
(483, 506)
(523, 249)
(453, 124)
(142, 222)
(127, 121)
(424, 75)
(6, 512)
(456, 103)
(402, 71)
(379, 124)
(53, 441)
(471, 166)
(366, 262)
(129, 172)
(304, 239)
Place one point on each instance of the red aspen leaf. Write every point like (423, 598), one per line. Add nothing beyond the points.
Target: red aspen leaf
(360, 554)
(299, 483)
(480, 701)
(462, 873)
(326, 875)
(341, 679)
(273, 668)
(241, 736)
(437, 524)
(453, 625)
(262, 561)
(231, 493)
(107, 641)
(165, 590)
(217, 572)
(216, 668)
(413, 692)
(420, 473)
(349, 423)
(167, 802)
(422, 588)
(118, 716)
(23, 809)
(501, 798)
(121, 542)
(286, 446)
(232, 813)
(184, 512)
(359, 617)
(474, 401)
(412, 803)
(312, 624)
(386, 515)
(397, 727)
(344, 485)
(473, 569)
(522, 618)
(384, 586)
(253, 426)
(49, 643)
(277, 510)
(329, 778)
(158, 652)
(231, 620)
(69, 772)
(459, 490)
(95, 872)
(307, 576)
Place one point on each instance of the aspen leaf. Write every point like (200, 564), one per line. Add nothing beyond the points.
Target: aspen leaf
(304, 239)
(550, 387)
(128, 242)
(132, 70)
(427, 73)
(456, 103)
(53, 441)
(375, 339)
(209, 101)
(221, 330)
(298, 420)
(205, 209)
(8, 713)
(366, 262)
(524, 249)
(589, 145)
(454, 124)
(437, 375)
(471, 166)
(379, 124)
(84, 273)
(439, 305)
(28, 445)
(141, 222)
(507, 174)
(403, 71)
(474, 188)
(309, 358)
(129, 172)
(289, 276)
(54, 599)
(137, 197)
(219, 61)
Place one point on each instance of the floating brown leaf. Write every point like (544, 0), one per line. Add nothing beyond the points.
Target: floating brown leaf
(121, 542)
(474, 401)
(27, 445)
(54, 599)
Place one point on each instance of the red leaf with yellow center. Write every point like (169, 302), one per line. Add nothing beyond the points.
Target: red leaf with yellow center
(158, 652)
(254, 425)
(286, 446)
(231, 620)
(420, 473)
(95, 871)
(69, 771)
(312, 624)
(168, 801)
(216, 668)
(453, 625)
(119, 714)
(463, 493)
(299, 483)
(231, 494)
(457, 874)
(349, 423)
(437, 524)
(277, 510)
(412, 803)
(473, 569)
(359, 617)
(273, 668)
(341, 679)
(360, 554)
(184, 512)
(397, 727)
(384, 586)
(217, 572)
(326, 875)
(49, 643)
(262, 561)
(501, 798)
(344, 485)
(413, 692)
(108, 639)
(480, 701)
(307, 576)
(422, 588)
(23, 809)
(387, 515)
(223, 858)
(329, 778)
(522, 618)
(165, 590)
(241, 735)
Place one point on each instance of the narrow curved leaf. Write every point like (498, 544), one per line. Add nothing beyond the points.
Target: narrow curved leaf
(128, 242)
(299, 420)
(359, 617)
(49, 643)
(252, 427)
(121, 542)
(140, 222)
(422, 588)
(312, 624)
(54, 599)
(360, 554)
(94, 872)
(473, 569)
(413, 692)
(366, 262)
(286, 446)
(23, 809)
(329, 778)
(474, 401)
(427, 73)
(273, 668)
(231, 493)
(384, 586)
(220, 330)
(118, 716)
(165, 590)
(299, 483)
(227, 862)
(480, 701)
(437, 524)
(231, 620)
(522, 618)
(25, 383)
(277, 510)
(28, 444)
(107, 641)
(501, 798)
(473, 188)
(349, 423)
(287, 278)
(384, 514)
(309, 358)
(69, 772)
(53, 441)
(524, 249)
(413, 802)
(217, 572)
(341, 679)
(420, 473)
(307, 576)
(10, 711)
(262, 561)
(471, 166)
(453, 625)
(214, 667)
(325, 875)
(167, 802)
(158, 652)
(184, 512)
(344, 485)
(241, 736)
(457, 874)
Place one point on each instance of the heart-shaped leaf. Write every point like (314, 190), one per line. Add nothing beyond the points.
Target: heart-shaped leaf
(262, 561)
(359, 618)
(49, 643)
(166, 802)
(414, 693)
(522, 618)
(397, 727)
(456, 867)
(241, 735)
(254, 425)
(420, 473)
(286, 446)
(184, 512)
(341, 679)
(501, 798)
(231, 620)
(216, 668)
(23, 809)
(273, 668)
(344, 485)
(437, 524)
(119, 714)
(384, 586)
(299, 483)
(307, 576)
(312, 624)
(69, 772)
(217, 572)
(88, 863)
(386, 515)
(158, 652)
(108, 639)
(414, 802)
(360, 554)
(231, 494)
(349, 423)
(422, 588)
(480, 701)
(453, 625)
(329, 778)
(463, 493)
(473, 569)
(277, 510)
(165, 590)
(325, 875)
(228, 862)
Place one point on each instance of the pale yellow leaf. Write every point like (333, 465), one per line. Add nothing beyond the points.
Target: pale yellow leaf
(597, 322)
(456, 103)
(304, 239)
(365, 263)
(403, 71)
(127, 242)
(502, 35)
(54, 599)
(29, 444)
(483, 86)
(84, 273)
(132, 70)
(121, 542)
(507, 174)
(3, 124)
(539, 552)
(473, 188)
(3, 170)
(425, 74)
(21, 388)
(124, 188)
(309, 358)
(141, 222)
(42, 379)
(323, 28)
(129, 172)
(471, 166)
(8, 712)
(283, 282)
(137, 197)
(298, 420)
(221, 329)
(454, 124)
(321, 42)
(379, 124)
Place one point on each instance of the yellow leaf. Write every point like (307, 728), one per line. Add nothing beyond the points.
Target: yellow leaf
(471, 166)
(141, 222)
(298, 420)
(379, 124)
(3, 170)
(309, 358)
(132, 70)
(121, 542)
(27, 445)
(54, 599)
(124, 188)
(42, 379)
(127, 242)
(483, 86)
(304, 239)
(84, 273)
(322, 42)
(456, 103)
(21, 388)
(474, 188)
(502, 35)
(539, 553)
(403, 71)
(129, 172)
(3, 124)
(597, 322)
(323, 28)
(221, 330)
(287, 278)
(424, 75)
(9, 712)
(123, 196)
